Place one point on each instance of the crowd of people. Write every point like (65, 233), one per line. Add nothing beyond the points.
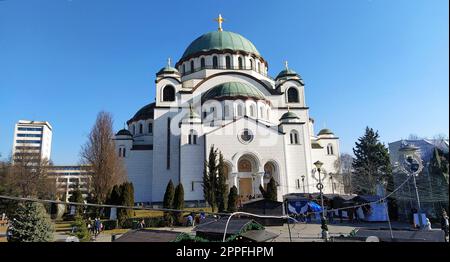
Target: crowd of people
(95, 227)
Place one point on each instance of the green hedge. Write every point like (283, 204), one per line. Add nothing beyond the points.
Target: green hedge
(133, 222)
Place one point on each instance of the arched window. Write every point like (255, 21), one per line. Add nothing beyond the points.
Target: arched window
(294, 137)
(150, 128)
(120, 152)
(184, 69)
(141, 128)
(192, 137)
(251, 64)
(134, 130)
(192, 66)
(124, 152)
(169, 93)
(215, 62)
(252, 110)
(330, 149)
(226, 110)
(228, 62)
(292, 95)
(202, 63)
(259, 67)
(241, 66)
(240, 110)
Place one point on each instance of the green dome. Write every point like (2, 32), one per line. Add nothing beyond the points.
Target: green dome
(123, 132)
(289, 115)
(233, 90)
(286, 72)
(325, 131)
(220, 40)
(167, 70)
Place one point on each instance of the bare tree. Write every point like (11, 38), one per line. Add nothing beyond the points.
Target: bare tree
(343, 165)
(26, 175)
(99, 152)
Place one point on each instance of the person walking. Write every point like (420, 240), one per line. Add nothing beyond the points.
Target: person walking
(444, 224)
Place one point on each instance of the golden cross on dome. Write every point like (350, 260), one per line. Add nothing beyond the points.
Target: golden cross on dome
(220, 21)
(286, 64)
(168, 62)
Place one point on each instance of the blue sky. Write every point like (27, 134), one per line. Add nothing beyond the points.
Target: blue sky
(377, 63)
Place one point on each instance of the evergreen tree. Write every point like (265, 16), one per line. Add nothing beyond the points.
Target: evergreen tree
(371, 165)
(221, 185)
(127, 199)
(232, 199)
(31, 223)
(168, 202)
(77, 197)
(178, 202)
(81, 230)
(272, 190)
(209, 179)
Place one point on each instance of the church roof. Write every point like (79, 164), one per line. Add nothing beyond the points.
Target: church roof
(233, 90)
(123, 132)
(220, 40)
(144, 113)
(325, 131)
(287, 72)
(288, 115)
(167, 70)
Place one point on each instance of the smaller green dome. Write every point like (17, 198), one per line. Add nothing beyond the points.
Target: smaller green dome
(286, 72)
(167, 70)
(325, 131)
(233, 90)
(289, 115)
(123, 132)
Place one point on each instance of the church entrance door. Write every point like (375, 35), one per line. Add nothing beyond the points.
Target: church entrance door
(245, 188)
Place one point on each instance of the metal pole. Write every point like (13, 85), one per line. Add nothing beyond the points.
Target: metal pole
(389, 219)
(303, 181)
(321, 195)
(418, 201)
(287, 214)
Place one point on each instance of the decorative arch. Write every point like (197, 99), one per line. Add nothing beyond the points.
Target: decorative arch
(168, 93)
(293, 95)
(330, 149)
(271, 169)
(254, 157)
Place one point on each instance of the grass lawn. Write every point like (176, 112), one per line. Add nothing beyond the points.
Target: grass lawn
(152, 213)
(116, 231)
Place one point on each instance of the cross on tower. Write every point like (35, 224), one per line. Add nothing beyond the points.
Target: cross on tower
(168, 62)
(286, 64)
(220, 21)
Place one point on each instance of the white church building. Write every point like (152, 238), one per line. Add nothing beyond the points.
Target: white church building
(219, 94)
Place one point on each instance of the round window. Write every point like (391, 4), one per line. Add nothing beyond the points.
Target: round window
(246, 136)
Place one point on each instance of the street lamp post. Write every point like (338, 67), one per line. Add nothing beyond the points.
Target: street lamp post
(332, 184)
(319, 185)
(411, 163)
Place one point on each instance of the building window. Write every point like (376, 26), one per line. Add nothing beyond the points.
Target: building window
(226, 111)
(184, 69)
(251, 64)
(192, 138)
(192, 186)
(241, 66)
(169, 93)
(228, 62)
(298, 183)
(240, 110)
(120, 152)
(202, 63)
(252, 110)
(215, 62)
(292, 95)
(192, 66)
(124, 152)
(294, 137)
(134, 130)
(141, 128)
(259, 67)
(150, 128)
(330, 149)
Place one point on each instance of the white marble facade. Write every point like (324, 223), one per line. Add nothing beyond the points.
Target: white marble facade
(218, 94)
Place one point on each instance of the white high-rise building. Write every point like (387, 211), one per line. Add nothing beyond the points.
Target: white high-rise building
(32, 140)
